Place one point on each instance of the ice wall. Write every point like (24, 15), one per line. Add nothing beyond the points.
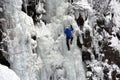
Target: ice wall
(20, 29)
(59, 63)
(39, 52)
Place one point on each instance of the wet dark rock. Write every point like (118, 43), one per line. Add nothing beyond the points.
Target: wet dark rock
(100, 22)
(0, 35)
(87, 40)
(89, 69)
(99, 43)
(78, 42)
(29, 8)
(86, 56)
(118, 76)
(71, 1)
(100, 30)
(3, 60)
(114, 75)
(51, 78)
(96, 55)
(109, 30)
(3, 45)
(80, 21)
(111, 54)
(118, 35)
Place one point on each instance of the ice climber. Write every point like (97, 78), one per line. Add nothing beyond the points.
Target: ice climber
(69, 37)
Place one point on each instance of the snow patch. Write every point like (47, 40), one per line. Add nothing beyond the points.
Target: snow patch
(115, 43)
(7, 74)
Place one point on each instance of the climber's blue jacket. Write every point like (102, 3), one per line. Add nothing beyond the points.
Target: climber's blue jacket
(68, 32)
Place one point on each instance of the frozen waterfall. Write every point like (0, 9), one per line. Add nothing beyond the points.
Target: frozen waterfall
(33, 42)
(39, 52)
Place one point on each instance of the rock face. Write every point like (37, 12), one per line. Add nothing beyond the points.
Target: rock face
(3, 45)
(33, 44)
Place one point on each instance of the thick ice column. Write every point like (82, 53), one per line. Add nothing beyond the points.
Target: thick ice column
(19, 30)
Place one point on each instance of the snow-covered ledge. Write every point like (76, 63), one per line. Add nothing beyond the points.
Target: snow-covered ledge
(6, 73)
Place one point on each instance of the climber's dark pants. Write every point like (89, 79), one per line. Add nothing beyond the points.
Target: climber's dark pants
(69, 41)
